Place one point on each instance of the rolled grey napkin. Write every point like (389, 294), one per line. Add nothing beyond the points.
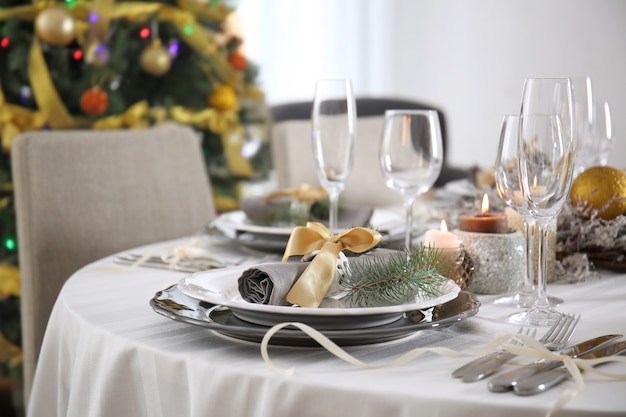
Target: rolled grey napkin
(258, 211)
(348, 217)
(270, 283)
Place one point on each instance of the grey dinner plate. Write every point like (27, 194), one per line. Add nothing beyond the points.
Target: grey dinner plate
(172, 303)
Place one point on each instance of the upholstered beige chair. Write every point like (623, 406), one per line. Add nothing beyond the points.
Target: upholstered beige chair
(83, 195)
(293, 155)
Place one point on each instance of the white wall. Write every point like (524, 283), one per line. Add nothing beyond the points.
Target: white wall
(468, 57)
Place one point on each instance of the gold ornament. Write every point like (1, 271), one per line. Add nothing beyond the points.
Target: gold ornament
(55, 26)
(596, 186)
(223, 98)
(156, 60)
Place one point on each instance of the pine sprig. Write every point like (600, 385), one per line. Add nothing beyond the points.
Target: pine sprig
(397, 279)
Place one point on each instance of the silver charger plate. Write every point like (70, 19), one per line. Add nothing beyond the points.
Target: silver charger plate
(175, 305)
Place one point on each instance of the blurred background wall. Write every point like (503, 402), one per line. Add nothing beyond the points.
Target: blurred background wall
(469, 58)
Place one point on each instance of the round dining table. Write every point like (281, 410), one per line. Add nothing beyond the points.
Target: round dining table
(107, 352)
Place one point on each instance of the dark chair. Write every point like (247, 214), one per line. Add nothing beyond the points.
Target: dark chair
(367, 107)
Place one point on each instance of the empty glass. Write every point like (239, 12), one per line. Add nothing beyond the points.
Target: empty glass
(334, 132)
(411, 156)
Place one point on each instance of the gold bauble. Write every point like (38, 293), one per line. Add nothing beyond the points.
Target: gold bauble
(224, 98)
(55, 26)
(596, 186)
(156, 60)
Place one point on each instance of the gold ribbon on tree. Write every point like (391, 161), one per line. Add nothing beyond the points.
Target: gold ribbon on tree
(313, 284)
(302, 193)
(224, 123)
(15, 120)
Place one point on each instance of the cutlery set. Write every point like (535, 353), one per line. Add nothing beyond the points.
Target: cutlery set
(541, 375)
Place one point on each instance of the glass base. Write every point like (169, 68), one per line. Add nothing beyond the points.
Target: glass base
(523, 299)
(535, 317)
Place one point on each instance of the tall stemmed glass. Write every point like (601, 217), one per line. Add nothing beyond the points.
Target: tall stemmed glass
(546, 150)
(582, 94)
(602, 130)
(508, 187)
(411, 156)
(334, 132)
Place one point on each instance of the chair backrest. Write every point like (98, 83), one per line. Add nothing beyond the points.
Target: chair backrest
(84, 195)
(365, 107)
(293, 157)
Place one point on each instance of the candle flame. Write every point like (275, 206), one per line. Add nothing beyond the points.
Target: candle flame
(485, 206)
(444, 226)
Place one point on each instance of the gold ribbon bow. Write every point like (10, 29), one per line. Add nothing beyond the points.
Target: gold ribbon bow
(313, 284)
(303, 193)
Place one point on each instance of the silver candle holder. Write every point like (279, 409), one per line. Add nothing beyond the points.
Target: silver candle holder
(499, 261)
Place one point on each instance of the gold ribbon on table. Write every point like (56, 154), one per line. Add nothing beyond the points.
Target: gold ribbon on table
(302, 193)
(530, 347)
(313, 284)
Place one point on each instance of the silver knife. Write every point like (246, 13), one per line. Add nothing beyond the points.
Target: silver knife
(459, 372)
(543, 381)
(487, 367)
(506, 381)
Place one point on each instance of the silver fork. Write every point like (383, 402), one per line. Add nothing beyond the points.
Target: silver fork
(554, 339)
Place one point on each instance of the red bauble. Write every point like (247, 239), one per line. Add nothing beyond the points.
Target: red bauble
(94, 101)
(237, 60)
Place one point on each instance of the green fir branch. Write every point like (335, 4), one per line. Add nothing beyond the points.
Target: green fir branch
(398, 279)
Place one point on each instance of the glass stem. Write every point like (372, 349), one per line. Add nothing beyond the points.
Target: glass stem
(333, 210)
(409, 202)
(542, 271)
(530, 228)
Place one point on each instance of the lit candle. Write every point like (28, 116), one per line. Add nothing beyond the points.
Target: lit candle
(447, 245)
(441, 239)
(484, 222)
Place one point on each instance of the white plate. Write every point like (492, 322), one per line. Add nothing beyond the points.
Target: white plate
(382, 220)
(220, 287)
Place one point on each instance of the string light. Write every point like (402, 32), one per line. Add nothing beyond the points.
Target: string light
(5, 42)
(9, 243)
(173, 48)
(188, 30)
(77, 55)
(144, 33)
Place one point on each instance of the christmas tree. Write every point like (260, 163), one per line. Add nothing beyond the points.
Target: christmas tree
(103, 64)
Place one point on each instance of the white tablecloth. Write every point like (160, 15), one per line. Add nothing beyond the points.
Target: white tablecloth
(107, 353)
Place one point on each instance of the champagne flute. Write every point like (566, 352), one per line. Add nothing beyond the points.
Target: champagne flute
(506, 171)
(411, 156)
(602, 130)
(546, 151)
(582, 94)
(334, 132)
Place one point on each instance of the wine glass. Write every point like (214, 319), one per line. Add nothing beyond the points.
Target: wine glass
(411, 156)
(546, 152)
(508, 187)
(602, 131)
(582, 93)
(334, 132)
